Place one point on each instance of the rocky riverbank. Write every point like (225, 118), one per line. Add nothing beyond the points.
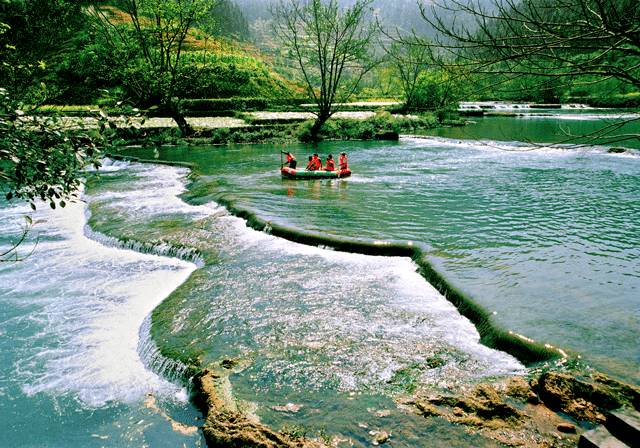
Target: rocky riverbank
(227, 424)
(549, 409)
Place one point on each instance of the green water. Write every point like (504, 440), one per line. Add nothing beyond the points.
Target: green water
(602, 127)
(340, 335)
(548, 239)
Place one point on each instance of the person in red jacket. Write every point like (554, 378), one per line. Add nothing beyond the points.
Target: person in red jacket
(331, 164)
(343, 163)
(291, 160)
(317, 162)
(311, 166)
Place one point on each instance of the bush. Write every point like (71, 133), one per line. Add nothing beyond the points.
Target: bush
(237, 104)
(383, 126)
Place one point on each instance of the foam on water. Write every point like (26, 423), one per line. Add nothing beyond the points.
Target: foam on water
(376, 315)
(365, 319)
(157, 193)
(513, 146)
(583, 116)
(79, 306)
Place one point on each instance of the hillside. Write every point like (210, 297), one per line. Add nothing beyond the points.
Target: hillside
(225, 67)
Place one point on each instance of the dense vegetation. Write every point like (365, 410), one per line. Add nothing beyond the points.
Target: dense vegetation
(65, 45)
(56, 52)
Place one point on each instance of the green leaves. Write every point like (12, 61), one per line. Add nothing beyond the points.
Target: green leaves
(40, 157)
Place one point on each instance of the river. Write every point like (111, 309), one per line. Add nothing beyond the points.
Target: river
(546, 238)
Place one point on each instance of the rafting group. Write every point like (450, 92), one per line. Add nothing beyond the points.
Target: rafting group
(315, 169)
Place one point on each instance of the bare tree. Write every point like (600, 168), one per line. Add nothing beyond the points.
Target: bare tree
(565, 39)
(331, 47)
(541, 44)
(159, 29)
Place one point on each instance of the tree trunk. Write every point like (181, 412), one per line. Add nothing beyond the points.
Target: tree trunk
(173, 110)
(185, 128)
(317, 126)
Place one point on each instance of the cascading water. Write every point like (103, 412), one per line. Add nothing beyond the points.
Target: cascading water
(337, 335)
(301, 321)
(521, 228)
(70, 318)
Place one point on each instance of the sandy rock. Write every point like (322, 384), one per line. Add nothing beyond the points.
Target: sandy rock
(289, 407)
(490, 409)
(586, 399)
(427, 409)
(532, 398)
(225, 426)
(517, 387)
(379, 437)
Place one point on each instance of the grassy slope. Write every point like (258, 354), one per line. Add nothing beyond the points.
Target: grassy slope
(234, 68)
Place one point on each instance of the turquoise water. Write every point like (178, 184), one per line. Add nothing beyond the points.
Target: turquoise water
(71, 327)
(548, 239)
(602, 127)
(524, 230)
(339, 335)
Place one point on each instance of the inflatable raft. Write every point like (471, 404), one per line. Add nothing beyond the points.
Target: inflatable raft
(291, 173)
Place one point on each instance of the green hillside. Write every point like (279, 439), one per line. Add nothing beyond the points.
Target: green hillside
(92, 68)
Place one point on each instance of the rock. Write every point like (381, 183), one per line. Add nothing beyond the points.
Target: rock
(228, 363)
(624, 424)
(484, 403)
(225, 426)
(585, 399)
(567, 428)
(518, 388)
(616, 150)
(490, 410)
(427, 409)
(379, 437)
(599, 438)
(289, 407)
(532, 398)
(382, 437)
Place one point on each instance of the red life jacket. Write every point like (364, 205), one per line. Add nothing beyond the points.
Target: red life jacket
(343, 163)
(317, 163)
(330, 166)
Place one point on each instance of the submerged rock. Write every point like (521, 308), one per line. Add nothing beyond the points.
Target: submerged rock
(515, 412)
(379, 437)
(225, 426)
(567, 428)
(499, 410)
(289, 407)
